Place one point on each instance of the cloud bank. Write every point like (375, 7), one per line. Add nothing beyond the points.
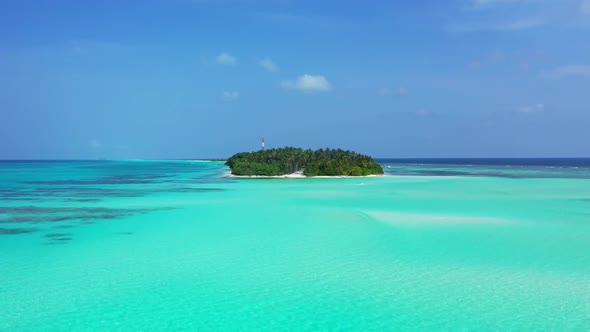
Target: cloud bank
(387, 92)
(309, 83)
(269, 65)
(579, 71)
(226, 59)
(231, 95)
(531, 108)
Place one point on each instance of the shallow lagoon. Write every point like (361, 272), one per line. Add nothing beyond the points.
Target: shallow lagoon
(154, 245)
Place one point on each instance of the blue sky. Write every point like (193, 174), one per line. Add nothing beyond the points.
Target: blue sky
(199, 78)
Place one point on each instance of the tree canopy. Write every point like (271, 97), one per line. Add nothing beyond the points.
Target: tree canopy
(322, 162)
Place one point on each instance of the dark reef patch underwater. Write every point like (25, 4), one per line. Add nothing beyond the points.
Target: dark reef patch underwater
(13, 231)
(35, 214)
(75, 193)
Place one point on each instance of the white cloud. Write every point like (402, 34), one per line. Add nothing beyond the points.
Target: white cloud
(423, 113)
(94, 143)
(231, 95)
(519, 15)
(490, 59)
(580, 71)
(387, 92)
(501, 26)
(531, 108)
(85, 47)
(226, 59)
(519, 24)
(269, 65)
(483, 4)
(309, 83)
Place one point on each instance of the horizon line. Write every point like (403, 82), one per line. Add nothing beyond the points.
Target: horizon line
(217, 158)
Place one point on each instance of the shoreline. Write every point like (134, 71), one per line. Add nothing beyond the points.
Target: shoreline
(298, 175)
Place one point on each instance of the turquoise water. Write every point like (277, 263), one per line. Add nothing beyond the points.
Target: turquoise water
(173, 245)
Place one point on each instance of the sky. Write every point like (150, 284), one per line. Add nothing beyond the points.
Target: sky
(160, 79)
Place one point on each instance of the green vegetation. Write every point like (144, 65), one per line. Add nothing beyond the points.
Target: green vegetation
(322, 162)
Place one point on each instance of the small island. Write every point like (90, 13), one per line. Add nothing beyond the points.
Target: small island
(296, 161)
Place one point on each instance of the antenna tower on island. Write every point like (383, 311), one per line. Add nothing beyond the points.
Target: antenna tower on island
(263, 144)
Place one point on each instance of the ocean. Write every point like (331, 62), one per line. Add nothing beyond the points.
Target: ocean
(173, 245)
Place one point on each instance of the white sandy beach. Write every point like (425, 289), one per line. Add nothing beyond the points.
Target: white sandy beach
(296, 175)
